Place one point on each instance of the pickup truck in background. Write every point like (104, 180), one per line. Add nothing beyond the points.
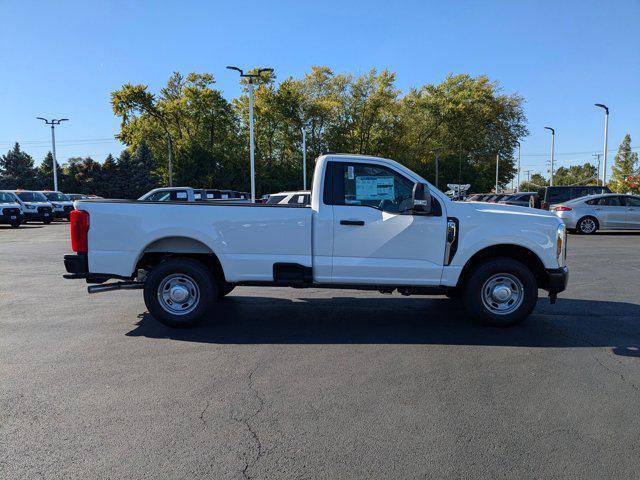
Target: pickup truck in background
(372, 224)
(188, 194)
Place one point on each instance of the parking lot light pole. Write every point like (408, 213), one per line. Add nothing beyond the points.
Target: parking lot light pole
(304, 158)
(518, 185)
(606, 130)
(251, 76)
(497, 165)
(53, 122)
(553, 140)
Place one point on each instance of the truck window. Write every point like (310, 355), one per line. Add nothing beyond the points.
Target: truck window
(374, 186)
(178, 196)
(274, 199)
(558, 195)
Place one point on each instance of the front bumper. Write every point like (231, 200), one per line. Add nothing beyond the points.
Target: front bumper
(19, 217)
(37, 216)
(557, 279)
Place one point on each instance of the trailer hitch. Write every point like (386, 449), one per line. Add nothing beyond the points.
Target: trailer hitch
(107, 287)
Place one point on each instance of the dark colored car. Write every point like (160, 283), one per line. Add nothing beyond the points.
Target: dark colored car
(521, 199)
(549, 196)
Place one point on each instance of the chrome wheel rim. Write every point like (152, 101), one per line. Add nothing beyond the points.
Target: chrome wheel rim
(502, 294)
(587, 225)
(178, 294)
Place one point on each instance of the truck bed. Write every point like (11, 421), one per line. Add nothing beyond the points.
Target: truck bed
(247, 238)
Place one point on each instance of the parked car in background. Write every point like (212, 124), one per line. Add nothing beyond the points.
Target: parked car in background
(547, 197)
(172, 194)
(77, 196)
(61, 203)
(521, 199)
(302, 197)
(10, 209)
(35, 206)
(588, 214)
(474, 198)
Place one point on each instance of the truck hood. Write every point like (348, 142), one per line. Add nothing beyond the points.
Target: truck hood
(513, 211)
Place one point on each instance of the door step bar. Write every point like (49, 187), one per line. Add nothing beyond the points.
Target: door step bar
(107, 287)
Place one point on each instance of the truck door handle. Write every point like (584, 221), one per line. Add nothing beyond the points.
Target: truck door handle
(356, 223)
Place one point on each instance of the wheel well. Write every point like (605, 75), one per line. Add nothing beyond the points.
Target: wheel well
(172, 247)
(521, 254)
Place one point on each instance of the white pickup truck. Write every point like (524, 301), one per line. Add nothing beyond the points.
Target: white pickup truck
(372, 224)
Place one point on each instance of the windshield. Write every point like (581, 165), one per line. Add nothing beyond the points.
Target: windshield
(32, 197)
(56, 196)
(6, 198)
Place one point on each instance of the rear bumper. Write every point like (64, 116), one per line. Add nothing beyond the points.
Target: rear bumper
(76, 265)
(557, 279)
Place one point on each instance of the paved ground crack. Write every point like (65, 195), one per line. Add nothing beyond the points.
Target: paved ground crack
(204, 422)
(622, 377)
(246, 422)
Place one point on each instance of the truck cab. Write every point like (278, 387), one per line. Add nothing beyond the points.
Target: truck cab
(371, 224)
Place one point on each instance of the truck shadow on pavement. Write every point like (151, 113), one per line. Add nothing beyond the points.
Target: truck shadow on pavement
(395, 320)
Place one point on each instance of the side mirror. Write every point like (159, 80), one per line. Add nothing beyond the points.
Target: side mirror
(421, 199)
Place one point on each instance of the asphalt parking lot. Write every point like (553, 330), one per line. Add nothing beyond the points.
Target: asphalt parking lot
(317, 383)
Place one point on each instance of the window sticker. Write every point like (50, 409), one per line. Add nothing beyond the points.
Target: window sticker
(350, 172)
(209, 195)
(375, 188)
(225, 196)
(181, 195)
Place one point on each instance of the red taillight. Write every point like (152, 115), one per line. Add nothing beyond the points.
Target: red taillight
(79, 222)
(543, 205)
(561, 208)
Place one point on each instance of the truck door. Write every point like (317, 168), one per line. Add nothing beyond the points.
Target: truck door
(376, 237)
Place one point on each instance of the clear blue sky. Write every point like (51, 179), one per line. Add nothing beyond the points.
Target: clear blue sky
(62, 59)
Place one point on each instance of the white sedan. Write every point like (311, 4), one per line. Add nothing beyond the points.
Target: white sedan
(595, 212)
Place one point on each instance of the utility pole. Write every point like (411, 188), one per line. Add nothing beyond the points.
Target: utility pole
(597, 157)
(437, 166)
(53, 122)
(553, 139)
(606, 131)
(170, 160)
(528, 172)
(497, 165)
(518, 186)
(304, 158)
(251, 77)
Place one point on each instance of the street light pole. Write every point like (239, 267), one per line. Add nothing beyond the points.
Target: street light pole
(304, 158)
(251, 77)
(606, 131)
(597, 157)
(553, 140)
(518, 185)
(497, 165)
(53, 122)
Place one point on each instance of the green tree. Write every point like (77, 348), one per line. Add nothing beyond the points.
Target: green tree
(16, 169)
(625, 165)
(107, 184)
(141, 175)
(586, 174)
(536, 182)
(44, 174)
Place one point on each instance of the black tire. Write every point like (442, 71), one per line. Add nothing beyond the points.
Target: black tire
(15, 224)
(225, 289)
(477, 286)
(47, 221)
(587, 226)
(192, 270)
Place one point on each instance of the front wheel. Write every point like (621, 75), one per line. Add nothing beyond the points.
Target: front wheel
(225, 289)
(47, 221)
(180, 292)
(587, 226)
(15, 224)
(500, 292)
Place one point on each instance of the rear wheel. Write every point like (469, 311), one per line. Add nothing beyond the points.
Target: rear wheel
(500, 292)
(47, 221)
(180, 292)
(15, 224)
(587, 226)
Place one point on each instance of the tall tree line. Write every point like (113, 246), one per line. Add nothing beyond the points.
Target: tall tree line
(464, 121)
